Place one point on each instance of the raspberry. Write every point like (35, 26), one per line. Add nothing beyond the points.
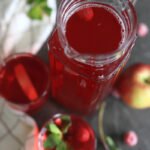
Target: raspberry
(131, 138)
(143, 30)
(58, 121)
(83, 135)
(86, 14)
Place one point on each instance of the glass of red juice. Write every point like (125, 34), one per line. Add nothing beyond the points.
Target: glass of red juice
(89, 47)
(75, 134)
(24, 81)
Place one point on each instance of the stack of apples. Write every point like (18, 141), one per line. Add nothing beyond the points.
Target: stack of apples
(133, 86)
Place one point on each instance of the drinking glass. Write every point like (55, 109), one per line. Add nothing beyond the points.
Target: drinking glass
(80, 135)
(91, 43)
(24, 81)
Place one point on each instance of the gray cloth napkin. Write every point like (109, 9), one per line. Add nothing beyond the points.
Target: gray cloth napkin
(17, 130)
(18, 33)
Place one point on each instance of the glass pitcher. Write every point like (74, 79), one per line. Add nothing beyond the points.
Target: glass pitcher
(90, 45)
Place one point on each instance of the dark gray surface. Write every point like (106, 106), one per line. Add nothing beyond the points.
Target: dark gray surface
(118, 117)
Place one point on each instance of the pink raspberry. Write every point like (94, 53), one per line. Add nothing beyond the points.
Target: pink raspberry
(58, 121)
(143, 30)
(131, 138)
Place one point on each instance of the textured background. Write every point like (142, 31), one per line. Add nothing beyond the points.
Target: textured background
(118, 117)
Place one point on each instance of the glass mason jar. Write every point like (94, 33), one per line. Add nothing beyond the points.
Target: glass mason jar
(90, 45)
(133, 1)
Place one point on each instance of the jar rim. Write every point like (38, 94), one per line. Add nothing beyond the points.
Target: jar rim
(102, 58)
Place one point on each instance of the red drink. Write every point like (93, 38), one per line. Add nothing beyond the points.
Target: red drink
(79, 135)
(86, 56)
(24, 81)
(95, 36)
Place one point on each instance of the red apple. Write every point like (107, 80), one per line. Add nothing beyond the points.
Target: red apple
(133, 86)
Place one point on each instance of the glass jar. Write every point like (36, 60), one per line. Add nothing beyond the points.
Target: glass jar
(84, 63)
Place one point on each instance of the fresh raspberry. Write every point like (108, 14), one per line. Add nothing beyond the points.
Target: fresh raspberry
(58, 121)
(131, 138)
(86, 14)
(143, 30)
(83, 135)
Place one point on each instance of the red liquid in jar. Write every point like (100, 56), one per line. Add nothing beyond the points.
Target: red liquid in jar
(78, 86)
(24, 79)
(101, 34)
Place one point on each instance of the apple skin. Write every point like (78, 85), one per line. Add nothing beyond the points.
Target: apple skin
(133, 86)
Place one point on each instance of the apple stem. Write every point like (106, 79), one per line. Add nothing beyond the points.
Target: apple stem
(147, 81)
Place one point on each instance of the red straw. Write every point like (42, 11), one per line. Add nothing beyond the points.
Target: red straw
(25, 82)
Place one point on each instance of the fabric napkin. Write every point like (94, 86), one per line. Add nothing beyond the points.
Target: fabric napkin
(18, 33)
(17, 130)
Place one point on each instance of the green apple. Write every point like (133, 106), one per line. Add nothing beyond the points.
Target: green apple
(133, 86)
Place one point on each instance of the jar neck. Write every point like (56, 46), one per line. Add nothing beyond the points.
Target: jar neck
(69, 7)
